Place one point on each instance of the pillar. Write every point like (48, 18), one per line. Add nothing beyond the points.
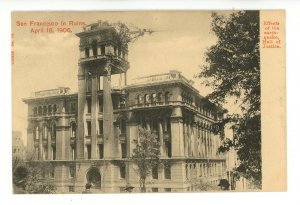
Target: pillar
(161, 137)
(195, 136)
(205, 143)
(94, 117)
(81, 113)
(107, 114)
(178, 145)
(40, 131)
(63, 140)
(49, 143)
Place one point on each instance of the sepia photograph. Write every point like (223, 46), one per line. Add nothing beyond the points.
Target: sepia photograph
(148, 101)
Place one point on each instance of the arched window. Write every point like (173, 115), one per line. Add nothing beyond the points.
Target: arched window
(183, 97)
(36, 133)
(102, 48)
(167, 97)
(40, 110)
(159, 97)
(44, 110)
(54, 108)
(35, 111)
(139, 99)
(53, 132)
(49, 109)
(146, 99)
(45, 130)
(87, 52)
(153, 98)
(94, 48)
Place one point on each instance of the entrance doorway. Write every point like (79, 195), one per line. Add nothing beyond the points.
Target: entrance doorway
(93, 177)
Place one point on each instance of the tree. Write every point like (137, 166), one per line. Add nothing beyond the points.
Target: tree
(232, 70)
(124, 33)
(146, 155)
(32, 176)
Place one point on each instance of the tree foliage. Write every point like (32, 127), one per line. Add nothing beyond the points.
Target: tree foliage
(32, 177)
(146, 155)
(126, 33)
(232, 70)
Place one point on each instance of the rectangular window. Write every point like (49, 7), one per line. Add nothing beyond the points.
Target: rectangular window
(89, 151)
(155, 172)
(72, 153)
(100, 151)
(122, 171)
(73, 108)
(167, 171)
(168, 148)
(87, 52)
(89, 128)
(102, 49)
(72, 171)
(123, 126)
(101, 127)
(89, 105)
(54, 153)
(154, 189)
(168, 189)
(123, 148)
(100, 105)
(71, 189)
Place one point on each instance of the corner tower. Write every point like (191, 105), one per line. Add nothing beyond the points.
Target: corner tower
(102, 55)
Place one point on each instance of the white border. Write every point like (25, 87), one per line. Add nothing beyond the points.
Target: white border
(293, 85)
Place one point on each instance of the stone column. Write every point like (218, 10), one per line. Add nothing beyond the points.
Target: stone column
(178, 145)
(161, 138)
(49, 143)
(108, 133)
(195, 143)
(205, 143)
(211, 142)
(80, 117)
(185, 137)
(214, 145)
(63, 140)
(94, 117)
(40, 131)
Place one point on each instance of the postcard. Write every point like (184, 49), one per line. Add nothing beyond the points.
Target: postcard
(148, 101)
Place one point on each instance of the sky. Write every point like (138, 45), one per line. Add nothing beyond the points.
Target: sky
(45, 61)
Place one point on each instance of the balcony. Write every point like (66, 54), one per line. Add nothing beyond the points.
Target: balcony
(88, 139)
(120, 64)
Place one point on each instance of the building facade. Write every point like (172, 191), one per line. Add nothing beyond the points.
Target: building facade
(18, 147)
(88, 136)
